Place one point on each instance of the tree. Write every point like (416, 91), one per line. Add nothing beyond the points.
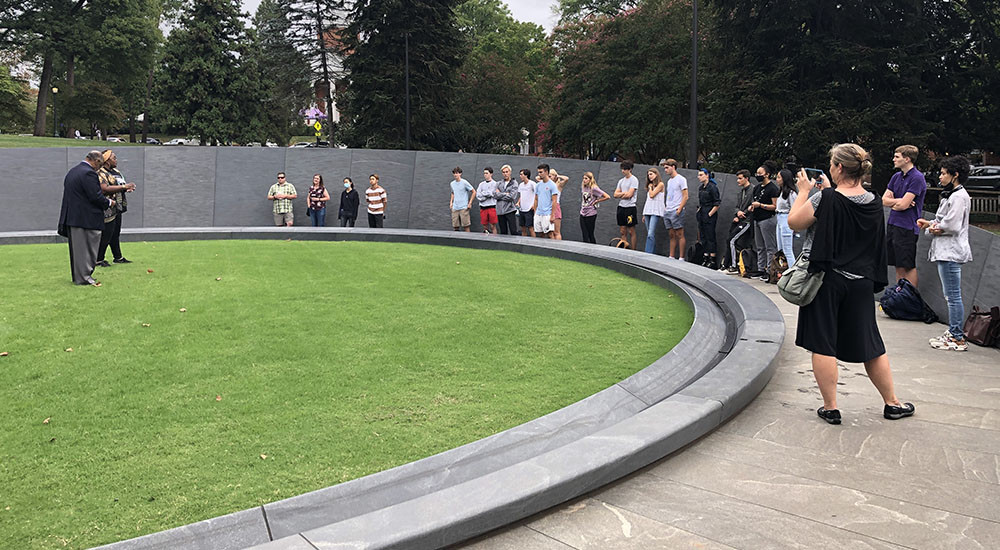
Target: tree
(285, 74)
(94, 106)
(504, 80)
(13, 97)
(374, 46)
(574, 10)
(624, 84)
(315, 28)
(203, 86)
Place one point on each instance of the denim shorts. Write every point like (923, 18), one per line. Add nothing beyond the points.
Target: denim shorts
(673, 220)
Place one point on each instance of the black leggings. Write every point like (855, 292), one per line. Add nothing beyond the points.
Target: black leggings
(508, 223)
(587, 224)
(111, 235)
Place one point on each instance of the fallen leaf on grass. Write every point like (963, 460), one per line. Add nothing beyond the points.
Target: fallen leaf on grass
(53, 440)
(218, 398)
(4, 354)
(457, 263)
(149, 271)
(145, 324)
(46, 421)
(263, 457)
(69, 349)
(7, 508)
(218, 278)
(183, 309)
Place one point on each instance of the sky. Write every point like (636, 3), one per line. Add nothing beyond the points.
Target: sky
(536, 11)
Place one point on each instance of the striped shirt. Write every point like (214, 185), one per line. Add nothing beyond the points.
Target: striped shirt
(282, 206)
(376, 200)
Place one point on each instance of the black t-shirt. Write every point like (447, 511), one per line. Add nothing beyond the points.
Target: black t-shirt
(764, 194)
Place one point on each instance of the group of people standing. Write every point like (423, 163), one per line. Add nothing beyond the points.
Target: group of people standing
(282, 193)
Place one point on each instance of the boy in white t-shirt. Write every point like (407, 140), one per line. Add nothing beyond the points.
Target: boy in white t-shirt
(677, 197)
(626, 192)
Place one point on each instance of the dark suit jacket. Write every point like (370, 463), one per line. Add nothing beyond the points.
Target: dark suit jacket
(83, 203)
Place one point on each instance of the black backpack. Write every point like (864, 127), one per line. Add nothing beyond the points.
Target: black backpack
(746, 261)
(696, 253)
(903, 301)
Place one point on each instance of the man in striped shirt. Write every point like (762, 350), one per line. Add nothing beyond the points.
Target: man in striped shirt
(282, 193)
(376, 202)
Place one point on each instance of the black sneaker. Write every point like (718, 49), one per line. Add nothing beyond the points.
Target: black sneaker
(122, 260)
(893, 412)
(103, 263)
(831, 416)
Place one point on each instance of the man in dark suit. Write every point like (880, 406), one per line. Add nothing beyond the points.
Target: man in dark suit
(82, 217)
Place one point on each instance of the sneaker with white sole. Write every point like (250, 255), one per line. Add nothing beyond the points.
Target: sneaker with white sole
(940, 339)
(951, 344)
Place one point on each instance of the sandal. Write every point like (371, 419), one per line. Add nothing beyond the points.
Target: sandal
(832, 416)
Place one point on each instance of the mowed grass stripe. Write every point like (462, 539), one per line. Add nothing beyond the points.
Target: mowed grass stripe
(333, 360)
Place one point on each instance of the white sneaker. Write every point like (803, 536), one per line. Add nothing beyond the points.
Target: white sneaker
(951, 344)
(939, 339)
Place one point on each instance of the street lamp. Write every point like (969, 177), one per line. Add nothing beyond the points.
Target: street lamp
(693, 152)
(55, 116)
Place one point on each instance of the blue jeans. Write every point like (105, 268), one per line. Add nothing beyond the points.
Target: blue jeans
(951, 285)
(785, 236)
(651, 222)
(318, 217)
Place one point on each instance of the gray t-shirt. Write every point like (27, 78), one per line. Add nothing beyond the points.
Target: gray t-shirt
(675, 191)
(624, 185)
(807, 242)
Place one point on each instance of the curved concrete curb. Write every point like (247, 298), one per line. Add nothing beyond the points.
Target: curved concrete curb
(718, 368)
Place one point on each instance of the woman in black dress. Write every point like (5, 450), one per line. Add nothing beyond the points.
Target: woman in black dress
(845, 240)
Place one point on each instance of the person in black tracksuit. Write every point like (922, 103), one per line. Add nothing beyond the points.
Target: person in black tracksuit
(741, 226)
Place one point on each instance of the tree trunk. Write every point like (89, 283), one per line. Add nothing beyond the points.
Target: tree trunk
(145, 107)
(44, 87)
(70, 82)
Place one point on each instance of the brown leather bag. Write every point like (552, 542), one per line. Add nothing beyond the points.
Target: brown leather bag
(983, 327)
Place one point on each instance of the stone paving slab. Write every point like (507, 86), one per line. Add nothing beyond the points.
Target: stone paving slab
(775, 476)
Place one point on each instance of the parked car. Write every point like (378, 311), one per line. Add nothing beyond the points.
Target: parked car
(177, 141)
(115, 139)
(153, 141)
(300, 144)
(270, 144)
(984, 177)
(318, 144)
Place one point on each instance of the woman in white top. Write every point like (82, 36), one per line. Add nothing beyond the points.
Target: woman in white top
(652, 211)
(786, 198)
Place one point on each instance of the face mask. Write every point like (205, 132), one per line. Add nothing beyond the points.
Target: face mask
(760, 179)
(347, 186)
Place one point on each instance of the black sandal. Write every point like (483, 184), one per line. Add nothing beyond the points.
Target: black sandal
(832, 416)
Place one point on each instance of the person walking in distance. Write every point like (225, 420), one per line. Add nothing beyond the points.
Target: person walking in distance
(378, 200)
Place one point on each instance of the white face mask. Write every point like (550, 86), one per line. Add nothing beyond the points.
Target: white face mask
(347, 186)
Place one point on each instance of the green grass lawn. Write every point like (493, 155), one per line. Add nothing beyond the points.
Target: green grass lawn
(307, 364)
(8, 140)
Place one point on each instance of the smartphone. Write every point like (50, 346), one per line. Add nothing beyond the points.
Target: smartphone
(814, 174)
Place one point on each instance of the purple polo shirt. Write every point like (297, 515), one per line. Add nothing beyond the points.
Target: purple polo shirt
(901, 184)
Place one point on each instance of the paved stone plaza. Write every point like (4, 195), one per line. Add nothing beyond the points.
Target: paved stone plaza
(776, 476)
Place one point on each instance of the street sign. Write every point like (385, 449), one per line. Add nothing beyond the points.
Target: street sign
(318, 134)
(318, 126)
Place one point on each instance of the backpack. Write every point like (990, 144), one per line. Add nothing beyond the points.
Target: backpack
(696, 253)
(746, 260)
(778, 265)
(903, 301)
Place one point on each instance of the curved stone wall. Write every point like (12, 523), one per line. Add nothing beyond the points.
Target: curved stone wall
(227, 186)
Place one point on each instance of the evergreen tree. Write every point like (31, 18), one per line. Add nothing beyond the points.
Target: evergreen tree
(202, 85)
(285, 77)
(13, 96)
(373, 105)
(316, 29)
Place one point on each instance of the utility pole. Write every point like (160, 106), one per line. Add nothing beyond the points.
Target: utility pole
(693, 153)
(406, 60)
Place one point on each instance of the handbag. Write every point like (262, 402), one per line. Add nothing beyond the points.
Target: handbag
(797, 285)
(982, 327)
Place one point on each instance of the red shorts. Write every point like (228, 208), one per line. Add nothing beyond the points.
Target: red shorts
(488, 215)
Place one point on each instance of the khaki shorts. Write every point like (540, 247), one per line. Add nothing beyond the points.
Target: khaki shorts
(283, 219)
(460, 218)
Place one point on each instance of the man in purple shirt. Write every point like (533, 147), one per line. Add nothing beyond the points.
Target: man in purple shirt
(905, 196)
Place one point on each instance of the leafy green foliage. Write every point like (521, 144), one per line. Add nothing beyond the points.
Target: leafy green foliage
(206, 84)
(92, 106)
(373, 105)
(13, 95)
(624, 84)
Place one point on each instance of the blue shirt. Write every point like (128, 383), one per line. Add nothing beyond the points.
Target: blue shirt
(544, 191)
(461, 190)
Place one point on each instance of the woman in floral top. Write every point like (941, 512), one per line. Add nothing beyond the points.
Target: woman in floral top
(317, 201)
(592, 194)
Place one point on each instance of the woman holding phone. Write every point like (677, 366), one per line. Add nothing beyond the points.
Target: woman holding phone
(845, 240)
